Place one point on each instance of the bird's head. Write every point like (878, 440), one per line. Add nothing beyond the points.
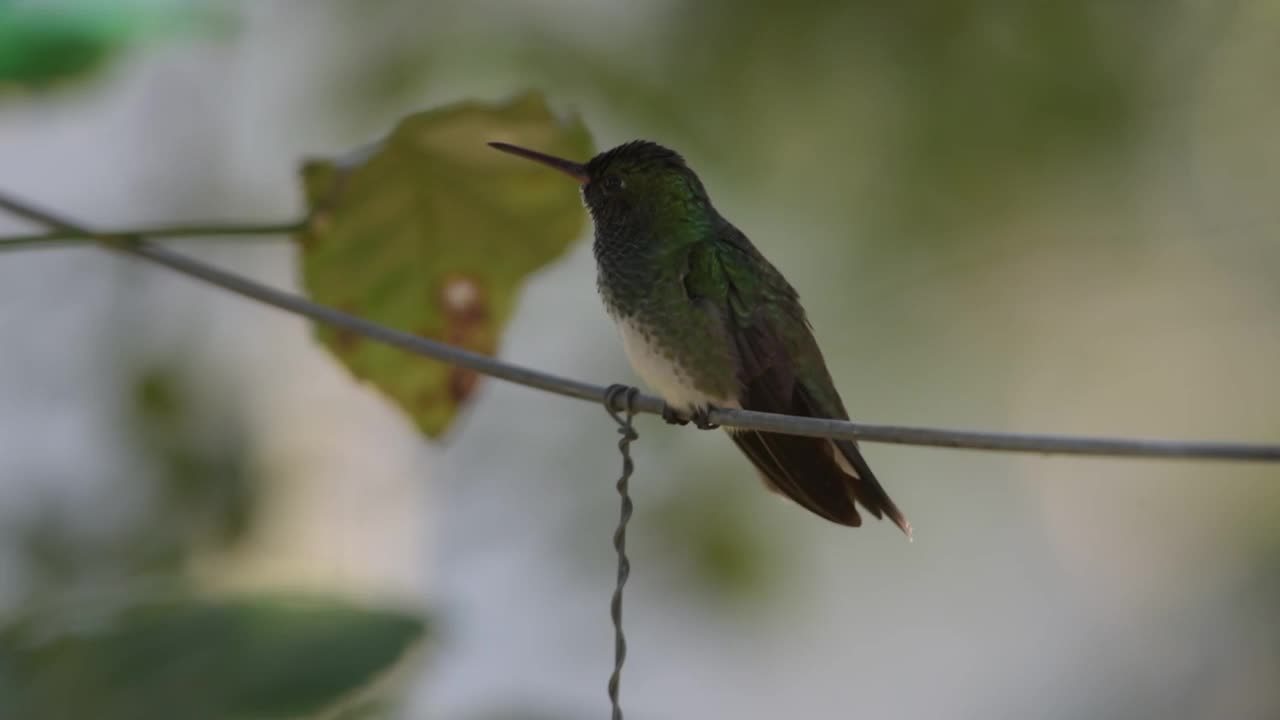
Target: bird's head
(637, 184)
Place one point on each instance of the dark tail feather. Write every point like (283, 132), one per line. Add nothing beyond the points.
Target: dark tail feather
(806, 470)
(867, 490)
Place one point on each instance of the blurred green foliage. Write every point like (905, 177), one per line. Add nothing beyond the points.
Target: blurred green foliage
(205, 486)
(432, 232)
(978, 83)
(926, 113)
(710, 534)
(46, 43)
(92, 640)
(190, 470)
(200, 659)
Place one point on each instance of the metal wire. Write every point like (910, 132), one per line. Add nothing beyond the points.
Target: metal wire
(745, 419)
(628, 396)
(622, 402)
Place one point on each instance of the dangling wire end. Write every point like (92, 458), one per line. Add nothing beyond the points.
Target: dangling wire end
(619, 401)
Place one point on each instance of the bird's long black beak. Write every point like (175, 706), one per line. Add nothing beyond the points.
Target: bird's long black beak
(577, 171)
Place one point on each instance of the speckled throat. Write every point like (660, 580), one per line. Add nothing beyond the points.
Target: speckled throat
(678, 347)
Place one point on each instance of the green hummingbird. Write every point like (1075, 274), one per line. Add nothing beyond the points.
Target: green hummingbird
(708, 322)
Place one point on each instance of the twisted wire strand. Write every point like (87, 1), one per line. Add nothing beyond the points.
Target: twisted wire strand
(627, 396)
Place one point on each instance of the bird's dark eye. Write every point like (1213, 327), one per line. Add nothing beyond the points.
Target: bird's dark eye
(613, 183)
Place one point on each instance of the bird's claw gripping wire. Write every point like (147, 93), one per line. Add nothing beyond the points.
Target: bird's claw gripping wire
(673, 417)
(700, 417)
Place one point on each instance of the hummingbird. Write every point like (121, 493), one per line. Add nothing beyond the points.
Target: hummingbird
(707, 322)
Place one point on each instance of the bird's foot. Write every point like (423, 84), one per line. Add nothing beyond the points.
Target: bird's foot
(672, 417)
(701, 418)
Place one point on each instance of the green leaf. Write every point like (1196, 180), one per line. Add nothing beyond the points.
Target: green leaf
(42, 44)
(198, 659)
(433, 233)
